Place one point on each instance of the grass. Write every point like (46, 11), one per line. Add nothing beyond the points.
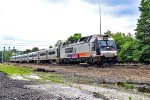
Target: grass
(148, 95)
(17, 70)
(56, 78)
(79, 80)
(126, 85)
(11, 70)
(98, 95)
(8, 69)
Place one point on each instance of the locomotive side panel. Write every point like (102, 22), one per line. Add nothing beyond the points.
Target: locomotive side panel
(84, 50)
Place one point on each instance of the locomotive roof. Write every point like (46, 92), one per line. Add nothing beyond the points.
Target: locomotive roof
(87, 39)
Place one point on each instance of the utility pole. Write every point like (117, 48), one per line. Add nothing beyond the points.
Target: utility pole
(2, 56)
(99, 16)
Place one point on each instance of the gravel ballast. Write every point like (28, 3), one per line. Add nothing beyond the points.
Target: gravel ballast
(15, 90)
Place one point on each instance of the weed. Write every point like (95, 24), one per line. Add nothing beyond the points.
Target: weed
(130, 98)
(126, 85)
(148, 95)
(56, 78)
(79, 87)
(144, 90)
(98, 95)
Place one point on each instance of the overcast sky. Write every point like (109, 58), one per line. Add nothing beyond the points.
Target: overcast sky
(29, 23)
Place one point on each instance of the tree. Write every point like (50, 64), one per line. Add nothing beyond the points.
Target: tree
(58, 43)
(6, 55)
(125, 45)
(27, 51)
(14, 50)
(73, 38)
(143, 32)
(118, 37)
(50, 46)
(34, 49)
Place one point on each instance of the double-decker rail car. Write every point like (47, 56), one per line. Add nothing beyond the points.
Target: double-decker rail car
(53, 55)
(42, 55)
(29, 57)
(12, 59)
(35, 56)
(24, 58)
(18, 58)
(48, 55)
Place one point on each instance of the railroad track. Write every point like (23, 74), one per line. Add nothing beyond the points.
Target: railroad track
(117, 65)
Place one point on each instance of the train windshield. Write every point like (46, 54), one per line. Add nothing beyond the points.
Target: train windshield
(107, 45)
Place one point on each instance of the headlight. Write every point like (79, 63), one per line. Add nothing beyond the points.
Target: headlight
(115, 54)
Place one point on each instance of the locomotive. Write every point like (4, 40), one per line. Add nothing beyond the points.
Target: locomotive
(94, 49)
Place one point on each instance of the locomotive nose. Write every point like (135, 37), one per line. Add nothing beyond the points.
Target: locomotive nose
(109, 53)
(107, 48)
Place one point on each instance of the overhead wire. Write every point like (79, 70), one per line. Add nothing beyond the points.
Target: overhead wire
(27, 43)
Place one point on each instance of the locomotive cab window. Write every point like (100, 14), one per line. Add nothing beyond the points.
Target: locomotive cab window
(107, 44)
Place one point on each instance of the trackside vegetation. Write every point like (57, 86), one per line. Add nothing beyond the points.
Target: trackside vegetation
(8, 69)
(56, 78)
(26, 72)
(135, 48)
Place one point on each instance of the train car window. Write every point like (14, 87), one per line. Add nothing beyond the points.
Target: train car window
(42, 54)
(69, 50)
(34, 55)
(51, 53)
(30, 55)
(74, 50)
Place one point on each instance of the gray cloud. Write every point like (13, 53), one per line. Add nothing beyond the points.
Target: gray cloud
(123, 7)
(54, 1)
(10, 37)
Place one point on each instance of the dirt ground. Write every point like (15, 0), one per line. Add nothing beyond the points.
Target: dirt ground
(92, 83)
(139, 73)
